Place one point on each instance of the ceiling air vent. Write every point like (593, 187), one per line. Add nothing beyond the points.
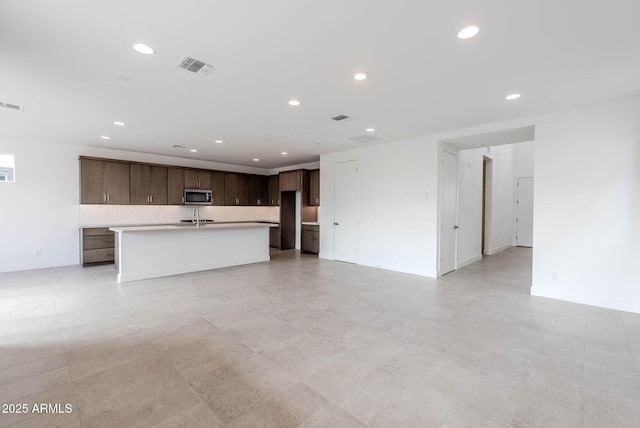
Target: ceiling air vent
(178, 146)
(364, 138)
(11, 106)
(340, 117)
(196, 66)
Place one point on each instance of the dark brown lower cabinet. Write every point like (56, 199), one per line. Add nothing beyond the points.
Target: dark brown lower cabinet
(98, 245)
(311, 238)
(274, 237)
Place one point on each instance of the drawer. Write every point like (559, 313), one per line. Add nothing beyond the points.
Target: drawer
(91, 242)
(99, 255)
(90, 231)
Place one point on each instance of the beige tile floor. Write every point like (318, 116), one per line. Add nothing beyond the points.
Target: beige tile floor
(313, 343)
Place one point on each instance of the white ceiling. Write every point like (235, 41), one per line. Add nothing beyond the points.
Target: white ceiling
(71, 65)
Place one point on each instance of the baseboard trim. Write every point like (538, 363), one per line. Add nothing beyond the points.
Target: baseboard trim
(494, 251)
(587, 299)
(44, 265)
(469, 261)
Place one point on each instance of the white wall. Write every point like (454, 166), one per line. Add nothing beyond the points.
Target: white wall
(587, 206)
(40, 212)
(398, 206)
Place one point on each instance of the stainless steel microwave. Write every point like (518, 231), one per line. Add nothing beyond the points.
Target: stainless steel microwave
(197, 197)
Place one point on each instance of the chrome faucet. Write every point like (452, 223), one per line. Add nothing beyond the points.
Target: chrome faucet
(196, 216)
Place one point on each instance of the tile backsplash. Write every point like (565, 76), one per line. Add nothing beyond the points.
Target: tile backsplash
(122, 215)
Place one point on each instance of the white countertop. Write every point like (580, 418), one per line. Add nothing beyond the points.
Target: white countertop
(176, 224)
(188, 226)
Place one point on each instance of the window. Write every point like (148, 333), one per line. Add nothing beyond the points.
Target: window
(7, 168)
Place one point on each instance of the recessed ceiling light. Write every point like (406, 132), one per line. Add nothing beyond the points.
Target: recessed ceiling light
(143, 49)
(370, 129)
(360, 76)
(468, 32)
(104, 137)
(512, 97)
(294, 102)
(284, 153)
(193, 150)
(119, 123)
(219, 141)
(256, 159)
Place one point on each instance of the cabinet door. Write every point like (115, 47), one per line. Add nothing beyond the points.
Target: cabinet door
(197, 179)
(218, 188)
(204, 180)
(274, 190)
(274, 237)
(190, 179)
(139, 184)
(93, 175)
(175, 186)
(310, 239)
(243, 189)
(290, 180)
(314, 187)
(230, 188)
(258, 190)
(117, 183)
(158, 185)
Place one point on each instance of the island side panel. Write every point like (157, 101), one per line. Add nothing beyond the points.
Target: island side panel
(157, 253)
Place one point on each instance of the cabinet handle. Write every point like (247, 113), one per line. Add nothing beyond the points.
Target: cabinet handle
(258, 202)
(151, 198)
(105, 197)
(108, 198)
(317, 201)
(183, 199)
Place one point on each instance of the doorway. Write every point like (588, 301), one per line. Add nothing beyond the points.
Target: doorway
(346, 212)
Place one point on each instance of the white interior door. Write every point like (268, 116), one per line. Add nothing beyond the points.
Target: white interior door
(524, 219)
(345, 226)
(448, 212)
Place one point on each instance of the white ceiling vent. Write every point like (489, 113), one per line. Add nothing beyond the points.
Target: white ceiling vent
(340, 117)
(364, 138)
(11, 106)
(196, 66)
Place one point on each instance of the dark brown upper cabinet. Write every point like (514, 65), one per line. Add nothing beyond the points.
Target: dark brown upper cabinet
(197, 179)
(104, 182)
(218, 187)
(236, 189)
(291, 180)
(148, 184)
(274, 190)
(175, 186)
(314, 187)
(258, 190)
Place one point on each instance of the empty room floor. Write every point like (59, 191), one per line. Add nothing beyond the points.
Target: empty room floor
(307, 342)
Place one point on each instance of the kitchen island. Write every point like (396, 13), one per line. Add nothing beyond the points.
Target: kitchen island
(143, 252)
